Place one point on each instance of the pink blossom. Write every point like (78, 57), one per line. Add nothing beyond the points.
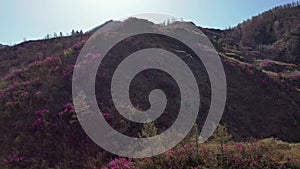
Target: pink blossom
(72, 111)
(38, 122)
(54, 68)
(34, 63)
(67, 108)
(48, 59)
(2, 92)
(148, 159)
(20, 158)
(66, 74)
(240, 147)
(77, 65)
(40, 112)
(13, 85)
(170, 152)
(69, 104)
(120, 163)
(54, 125)
(60, 113)
(106, 115)
(8, 76)
(126, 165)
(14, 159)
(297, 75)
(236, 158)
(180, 150)
(289, 67)
(38, 93)
(265, 63)
(24, 94)
(198, 167)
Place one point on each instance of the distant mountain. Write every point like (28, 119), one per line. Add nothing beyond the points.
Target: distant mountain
(274, 34)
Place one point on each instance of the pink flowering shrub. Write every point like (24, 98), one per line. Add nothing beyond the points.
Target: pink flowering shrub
(41, 112)
(12, 159)
(119, 163)
(50, 135)
(68, 108)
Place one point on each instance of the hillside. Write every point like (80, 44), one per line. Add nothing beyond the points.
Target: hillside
(274, 34)
(18, 56)
(41, 130)
(2, 46)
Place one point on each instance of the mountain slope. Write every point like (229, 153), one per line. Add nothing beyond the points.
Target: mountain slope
(2, 46)
(37, 116)
(274, 34)
(18, 56)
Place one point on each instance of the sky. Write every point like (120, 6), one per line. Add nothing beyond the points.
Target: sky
(34, 19)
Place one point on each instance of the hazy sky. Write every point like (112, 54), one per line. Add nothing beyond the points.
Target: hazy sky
(33, 19)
